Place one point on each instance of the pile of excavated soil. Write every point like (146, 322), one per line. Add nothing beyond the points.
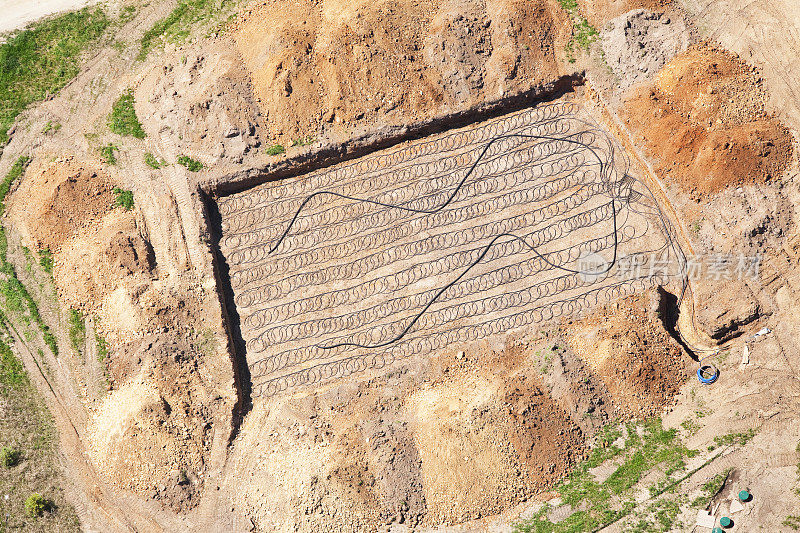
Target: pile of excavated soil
(60, 199)
(346, 65)
(600, 12)
(152, 435)
(704, 122)
(626, 344)
(639, 43)
(455, 437)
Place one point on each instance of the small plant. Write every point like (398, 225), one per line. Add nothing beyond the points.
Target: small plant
(191, 164)
(9, 457)
(792, 521)
(77, 330)
(102, 347)
(123, 198)
(153, 162)
(304, 141)
(51, 126)
(123, 120)
(46, 260)
(276, 149)
(107, 153)
(35, 505)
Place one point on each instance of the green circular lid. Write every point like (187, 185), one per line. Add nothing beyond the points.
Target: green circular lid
(716, 530)
(725, 521)
(744, 495)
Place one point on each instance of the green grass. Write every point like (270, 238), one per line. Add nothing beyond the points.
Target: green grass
(107, 153)
(191, 164)
(304, 141)
(15, 295)
(792, 521)
(14, 173)
(77, 330)
(123, 120)
(276, 149)
(46, 260)
(42, 59)
(102, 347)
(592, 501)
(739, 439)
(710, 488)
(176, 26)
(583, 33)
(123, 198)
(51, 126)
(153, 162)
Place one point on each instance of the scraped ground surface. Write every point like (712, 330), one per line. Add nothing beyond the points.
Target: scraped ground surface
(454, 238)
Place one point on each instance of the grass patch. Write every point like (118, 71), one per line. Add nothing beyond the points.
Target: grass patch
(16, 296)
(792, 521)
(123, 120)
(191, 164)
(77, 330)
(591, 500)
(42, 59)
(51, 127)
(739, 439)
(153, 162)
(176, 26)
(102, 347)
(308, 140)
(14, 173)
(123, 198)
(276, 149)
(583, 33)
(107, 153)
(46, 260)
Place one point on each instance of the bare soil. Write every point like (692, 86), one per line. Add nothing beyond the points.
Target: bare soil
(476, 433)
(353, 65)
(705, 124)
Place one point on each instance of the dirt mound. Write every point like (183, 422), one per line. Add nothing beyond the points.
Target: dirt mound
(440, 441)
(152, 435)
(625, 343)
(705, 124)
(639, 43)
(600, 12)
(60, 198)
(393, 63)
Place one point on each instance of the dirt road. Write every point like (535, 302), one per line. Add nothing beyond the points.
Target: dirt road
(18, 13)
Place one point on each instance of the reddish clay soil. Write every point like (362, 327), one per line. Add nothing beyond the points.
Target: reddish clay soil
(704, 123)
(598, 13)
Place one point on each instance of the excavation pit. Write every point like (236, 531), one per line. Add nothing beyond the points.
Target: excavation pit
(460, 236)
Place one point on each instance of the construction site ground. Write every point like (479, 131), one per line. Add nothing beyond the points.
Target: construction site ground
(244, 362)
